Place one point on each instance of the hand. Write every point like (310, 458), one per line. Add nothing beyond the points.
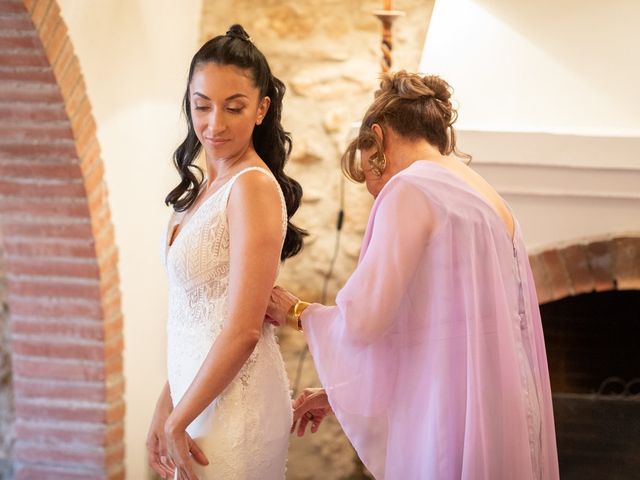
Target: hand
(180, 449)
(312, 405)
(156, 444)
(280, 303)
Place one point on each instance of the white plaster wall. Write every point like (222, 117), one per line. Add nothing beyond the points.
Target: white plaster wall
(134, 56)
(563, 66)
(549, 107)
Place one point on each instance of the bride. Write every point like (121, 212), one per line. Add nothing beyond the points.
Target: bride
(225, 412)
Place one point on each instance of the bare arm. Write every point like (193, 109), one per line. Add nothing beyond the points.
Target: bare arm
(255, 231)
(164, 401)
(156, 447)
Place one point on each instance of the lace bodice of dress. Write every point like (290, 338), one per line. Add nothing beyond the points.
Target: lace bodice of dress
(198, 270)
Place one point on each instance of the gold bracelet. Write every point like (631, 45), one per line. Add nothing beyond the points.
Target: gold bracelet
(294, 313)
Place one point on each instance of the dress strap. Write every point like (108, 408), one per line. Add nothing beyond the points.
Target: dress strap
(248, 169)
(268, 173)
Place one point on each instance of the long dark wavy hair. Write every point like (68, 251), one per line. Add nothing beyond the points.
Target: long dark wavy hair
(270, 141)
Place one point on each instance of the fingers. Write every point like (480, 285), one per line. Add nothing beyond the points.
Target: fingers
(308, 394)
(302, 424)
(298, 413)
(164, 455)
(279, 303)
(185, 472)
(154, 461)
(156, 465)
(165, 459)
(273, 317)
(319, 398)
(310, 399)
(155, 458)
(317, 420)
(168, 466)
(178, 447)
(313, 417)
(312, 405)
(298, 402)
(197, 454)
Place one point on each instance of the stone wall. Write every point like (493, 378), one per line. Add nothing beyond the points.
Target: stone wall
(327, 53)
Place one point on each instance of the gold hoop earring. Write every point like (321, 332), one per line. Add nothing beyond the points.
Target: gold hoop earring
(378, 162)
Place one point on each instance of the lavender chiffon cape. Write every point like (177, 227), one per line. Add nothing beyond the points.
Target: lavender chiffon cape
(433, 357)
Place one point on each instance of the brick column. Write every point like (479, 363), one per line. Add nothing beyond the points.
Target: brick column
(60, 256)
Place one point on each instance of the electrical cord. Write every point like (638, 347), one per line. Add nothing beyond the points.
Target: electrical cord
(336, 250)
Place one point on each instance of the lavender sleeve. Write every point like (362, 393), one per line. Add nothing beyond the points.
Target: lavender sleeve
(349, 341)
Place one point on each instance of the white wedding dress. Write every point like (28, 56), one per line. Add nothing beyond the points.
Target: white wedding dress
(244, 432)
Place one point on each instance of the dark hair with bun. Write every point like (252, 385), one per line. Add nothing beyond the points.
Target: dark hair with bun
(237, 31)
(415, 107)
(270, 141)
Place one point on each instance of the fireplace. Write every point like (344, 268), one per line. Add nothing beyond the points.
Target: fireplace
(592, 343)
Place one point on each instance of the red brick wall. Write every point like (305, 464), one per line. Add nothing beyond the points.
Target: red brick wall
(64, 300)
(589, 266)
(6, 385)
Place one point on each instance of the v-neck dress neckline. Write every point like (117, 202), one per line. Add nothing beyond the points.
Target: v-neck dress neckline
(173, 236)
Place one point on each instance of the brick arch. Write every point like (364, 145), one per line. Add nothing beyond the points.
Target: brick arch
(59, 255)
(590, 265)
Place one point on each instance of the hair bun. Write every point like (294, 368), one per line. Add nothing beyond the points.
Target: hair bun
(441, 89)
(405, 85)
(237, 31)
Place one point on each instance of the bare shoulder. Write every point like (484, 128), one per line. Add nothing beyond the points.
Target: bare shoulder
(255, 184)
(255, 195)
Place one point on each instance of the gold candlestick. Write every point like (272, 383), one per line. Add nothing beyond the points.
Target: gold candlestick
(387, 17)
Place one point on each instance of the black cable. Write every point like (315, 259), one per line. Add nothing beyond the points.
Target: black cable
(327, 278)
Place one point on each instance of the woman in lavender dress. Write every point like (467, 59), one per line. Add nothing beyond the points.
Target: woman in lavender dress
(433, 358)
